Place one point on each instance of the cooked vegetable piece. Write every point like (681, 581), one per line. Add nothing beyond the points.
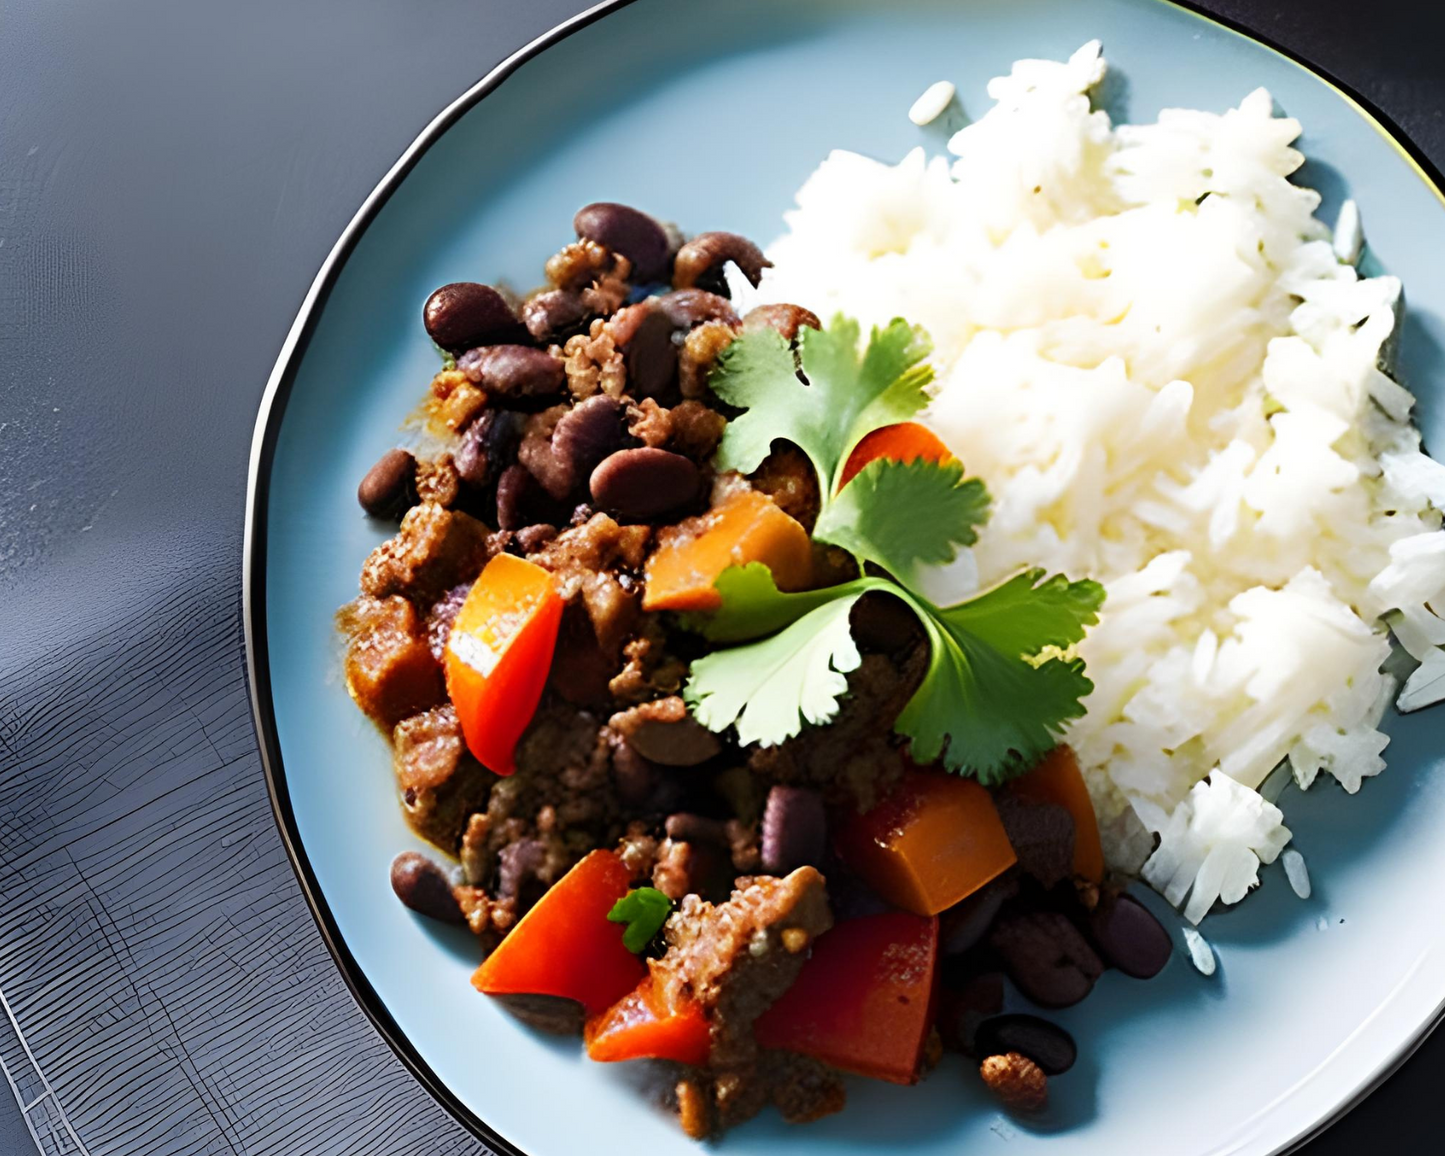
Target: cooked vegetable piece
(643, 1025)
(644, 911)
(906, 441)
(864, 1000)
(1057, 780)
(565, 945)
(935, 840)
(498, 655)
(747, 527)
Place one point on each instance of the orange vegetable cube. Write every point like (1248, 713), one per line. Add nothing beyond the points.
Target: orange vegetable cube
(906, 441)
(643, 1025)
(1057, 779)
(932, 842)
(746, 527)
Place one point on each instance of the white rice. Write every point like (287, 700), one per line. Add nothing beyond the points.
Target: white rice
(1149, 348)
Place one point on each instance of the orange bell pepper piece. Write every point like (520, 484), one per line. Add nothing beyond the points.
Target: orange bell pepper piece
(932, 842)
(1057, 780)
(565, 946)
(904, 442)
(644, 1024)
(746, 527)
(864, 1001)
(498, 656)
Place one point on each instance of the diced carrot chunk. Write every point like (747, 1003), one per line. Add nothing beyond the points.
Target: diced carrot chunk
(565, 945)
(746, 527)
(906, 441)
(1057, 779)
(932, 842)
(642, 1026)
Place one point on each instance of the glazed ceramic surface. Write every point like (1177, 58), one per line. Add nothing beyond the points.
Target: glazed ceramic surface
(711, 115)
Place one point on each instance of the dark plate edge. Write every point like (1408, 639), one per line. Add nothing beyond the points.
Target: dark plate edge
(253, 608)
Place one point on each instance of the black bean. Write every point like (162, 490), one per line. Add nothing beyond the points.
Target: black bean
(687, 308)
(700, 262)
(1046, 957)
(424, 887)
(514, 371)
(786, 319)
(488, 446)
(389, 488)
(643, 483)
(588, 432)
(463, 314)
(1129, 936)
(1048, 1045)
(624, 230)
(795, 830)
(555, 314)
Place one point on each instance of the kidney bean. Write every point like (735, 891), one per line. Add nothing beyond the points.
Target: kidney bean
(795, 830)
(624, 230)
(786, 319)
(488, 446)
(1046, 957)
(1129, 936)
(389, 488)
(514, 371)
(463, 314)
(643, 483)
(644, 334)
(684, 743)
(700, 262)
(1042, 835)
(964, 925)
(514, 494)
(555, 314)
(1048, 1045)
(688, 307)
(588, 432)
(424, 887)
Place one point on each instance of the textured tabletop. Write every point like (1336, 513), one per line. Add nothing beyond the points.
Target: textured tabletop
(171, 176)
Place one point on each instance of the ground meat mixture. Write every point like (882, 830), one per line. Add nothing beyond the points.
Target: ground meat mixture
(576, 429)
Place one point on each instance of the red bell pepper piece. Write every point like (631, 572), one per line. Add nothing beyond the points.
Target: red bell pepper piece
(864, 1001)
(498, 656)
(904, 442)
(646, 1024)
(565, 945)
(1057, 779)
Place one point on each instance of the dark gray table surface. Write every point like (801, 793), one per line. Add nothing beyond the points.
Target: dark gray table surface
(172, 173)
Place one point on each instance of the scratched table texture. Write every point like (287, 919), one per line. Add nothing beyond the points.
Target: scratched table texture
(171, 176)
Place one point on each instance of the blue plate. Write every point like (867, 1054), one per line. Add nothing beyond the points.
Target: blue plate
(712, 115)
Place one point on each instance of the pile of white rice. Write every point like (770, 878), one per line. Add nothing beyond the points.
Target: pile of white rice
(1169, 377)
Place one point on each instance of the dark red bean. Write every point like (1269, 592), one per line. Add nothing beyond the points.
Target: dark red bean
(1048, 1045)
(389, 488)
(488, 446)
(514, 494)
(514, 371)
(795, 830)
(1046, 957)
(1042, 835)
(700, 262)
(624, 230)
(687, 308)
(424, 887)
(684, 743)
(588, 432)
(463, 314)
(1129, 936)
(643, 483)
(555, 314)
(963, 926)
(686, 827)
(786, 319)
(517, 863)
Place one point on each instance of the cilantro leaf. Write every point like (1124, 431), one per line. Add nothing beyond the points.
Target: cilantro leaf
(752, 604)
(771, 687)
(987, 705)
(844, 396)
(903, 514)
(644, 910)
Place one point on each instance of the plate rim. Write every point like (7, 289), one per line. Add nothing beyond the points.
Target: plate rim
(271, 413)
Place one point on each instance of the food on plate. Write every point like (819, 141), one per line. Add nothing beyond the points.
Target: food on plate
(801, 651)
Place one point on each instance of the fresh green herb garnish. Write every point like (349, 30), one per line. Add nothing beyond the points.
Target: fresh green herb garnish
(1001, 681)
(644, 910)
